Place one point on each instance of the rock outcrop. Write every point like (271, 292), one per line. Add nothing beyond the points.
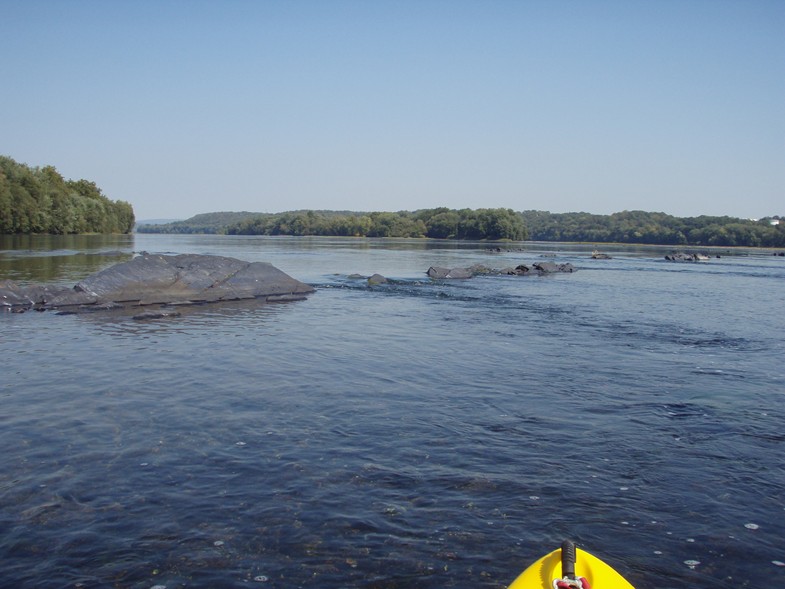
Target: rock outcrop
(553, 268)
(439, 273)
(682, 257)
(158, 279)
(536, 269)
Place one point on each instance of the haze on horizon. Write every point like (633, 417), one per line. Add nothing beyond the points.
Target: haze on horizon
(185, 107)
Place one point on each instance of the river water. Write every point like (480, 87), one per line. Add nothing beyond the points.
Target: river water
(415, 434)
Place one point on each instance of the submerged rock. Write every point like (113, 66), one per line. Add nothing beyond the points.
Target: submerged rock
(155, 315)
(157, 279)
(683, 257)
(519, 270)
(539, 268)
(551, 268)
(440, 273)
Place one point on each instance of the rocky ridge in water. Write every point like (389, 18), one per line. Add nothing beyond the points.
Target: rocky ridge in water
(536, 269)
(148, 279)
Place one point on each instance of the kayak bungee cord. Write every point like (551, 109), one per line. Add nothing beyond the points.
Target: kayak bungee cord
(568, 579)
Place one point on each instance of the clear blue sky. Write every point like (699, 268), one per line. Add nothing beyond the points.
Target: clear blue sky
(185, 107)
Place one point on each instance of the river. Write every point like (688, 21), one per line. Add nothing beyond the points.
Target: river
(414, 434)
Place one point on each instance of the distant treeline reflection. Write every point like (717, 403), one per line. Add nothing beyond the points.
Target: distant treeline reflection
(494, 224)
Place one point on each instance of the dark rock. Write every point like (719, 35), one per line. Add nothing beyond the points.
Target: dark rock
(13, 295)
(157, 279)
(155, 315)
(519, 270)
(499, 250)
(683, 257)
(285, 298)
(540, 268)
(438, 273)
(545, 267)
(480, 269)
(551, 268)
(376, 279)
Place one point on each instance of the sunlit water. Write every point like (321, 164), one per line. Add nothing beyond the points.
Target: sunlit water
(413, 434)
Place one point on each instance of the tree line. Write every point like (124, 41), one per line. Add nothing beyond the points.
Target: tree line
(634, 227)
(439, 223)
(655, 228)
(40, 200)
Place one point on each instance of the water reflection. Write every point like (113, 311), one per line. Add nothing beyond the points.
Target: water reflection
(60, 259)
(133, 320)
(50, 244)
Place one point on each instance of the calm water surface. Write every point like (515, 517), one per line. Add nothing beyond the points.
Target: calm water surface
(414, 434)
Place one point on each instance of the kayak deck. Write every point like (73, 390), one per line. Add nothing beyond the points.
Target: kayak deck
(543, 572)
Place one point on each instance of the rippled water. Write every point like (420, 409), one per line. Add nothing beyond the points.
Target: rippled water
(413, 434)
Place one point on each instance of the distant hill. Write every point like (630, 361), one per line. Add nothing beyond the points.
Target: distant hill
(202, 223)
(218, 222)
(157, 221)
(492, 224)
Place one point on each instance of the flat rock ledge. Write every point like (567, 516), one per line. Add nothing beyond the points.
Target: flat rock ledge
(149, 279)
(536, 269)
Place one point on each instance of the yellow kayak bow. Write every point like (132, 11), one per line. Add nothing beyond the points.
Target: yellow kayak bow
(570, 568)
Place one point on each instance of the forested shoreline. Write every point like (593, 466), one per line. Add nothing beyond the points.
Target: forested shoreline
(640, 227)
(40, 200)
(439, 223)
(633, 227)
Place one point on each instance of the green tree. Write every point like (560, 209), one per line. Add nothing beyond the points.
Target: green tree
(443, 225)
(39, 200)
